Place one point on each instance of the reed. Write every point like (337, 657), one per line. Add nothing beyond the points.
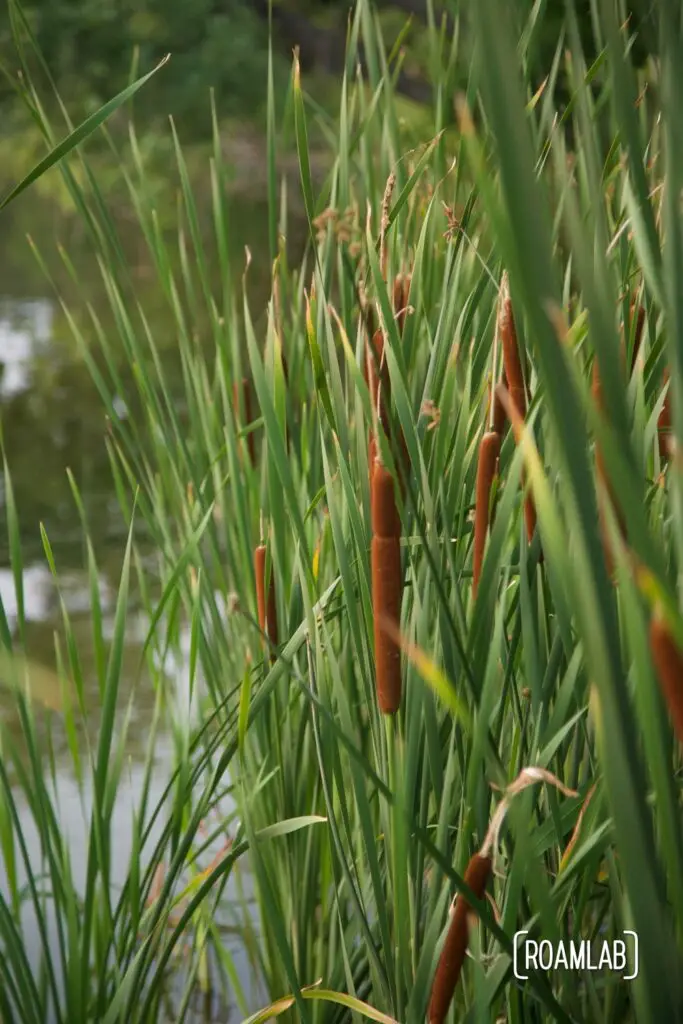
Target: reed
(489, 453)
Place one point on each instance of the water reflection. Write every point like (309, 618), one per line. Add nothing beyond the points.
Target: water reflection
(25, 327)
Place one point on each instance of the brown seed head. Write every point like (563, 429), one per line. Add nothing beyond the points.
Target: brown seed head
(265, 602)
(455, 947)
(489, 452)
(385, 518)
(387, 585)
(512, 358)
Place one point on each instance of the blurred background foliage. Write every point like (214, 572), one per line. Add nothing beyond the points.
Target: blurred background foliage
(90, 47)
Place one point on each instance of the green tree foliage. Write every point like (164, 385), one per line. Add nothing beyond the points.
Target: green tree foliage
(90, 45)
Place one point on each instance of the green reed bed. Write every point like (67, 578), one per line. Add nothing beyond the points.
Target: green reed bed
(522, 756)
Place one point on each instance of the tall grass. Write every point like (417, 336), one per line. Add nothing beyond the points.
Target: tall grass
(532, 725)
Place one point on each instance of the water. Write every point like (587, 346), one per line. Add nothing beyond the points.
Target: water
(52, 418)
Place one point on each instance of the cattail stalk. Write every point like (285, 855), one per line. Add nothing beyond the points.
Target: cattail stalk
(514, 377)
(245, 389)
(455, 947)
(379, 385)
(386, 589)
(489, 453)
(668, 662)
(265, 602)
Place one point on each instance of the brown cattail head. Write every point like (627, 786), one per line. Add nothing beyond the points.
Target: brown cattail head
(668, 662)
(455, 947)
(530, 521)
(664, 422)
(245, 390)
(498, 417)
(489, 452)
(386, 607)
(265, 602)
(515, 416)
(372, 458)
(512, 357)
(385, 517)
(400, 299)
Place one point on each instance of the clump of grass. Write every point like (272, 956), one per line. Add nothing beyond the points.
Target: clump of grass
(368, 814)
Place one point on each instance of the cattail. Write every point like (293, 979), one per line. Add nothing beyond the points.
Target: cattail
(489, 452)
(386, 589)
(530, 520)
(379, 385)
(668, 662)
(385, 518)
(511, 355)
(267, 608)
(455, 947)
(372, 458)
(664, 423)
(246, 398)
(498, 418)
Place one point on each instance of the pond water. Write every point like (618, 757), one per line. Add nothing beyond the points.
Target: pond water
(52, 419)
